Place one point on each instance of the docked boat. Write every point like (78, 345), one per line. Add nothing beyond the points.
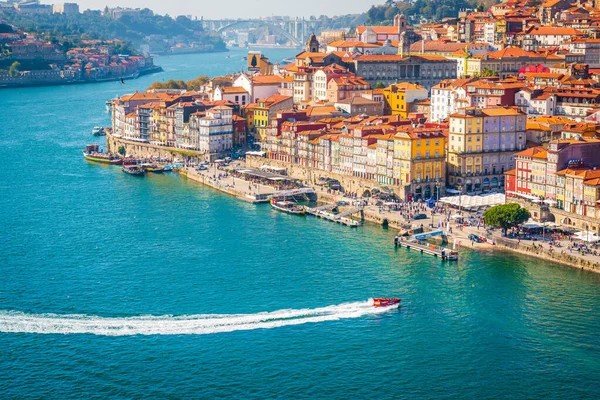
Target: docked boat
(109, 104)
(93, 153)
(386, 302)
(156, 169)
(136, 170)
(287, 207)
(98, 131)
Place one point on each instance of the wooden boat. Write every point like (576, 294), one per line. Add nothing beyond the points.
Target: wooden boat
(93, 153)
(288, 207)
(136, 170)
(156, 169)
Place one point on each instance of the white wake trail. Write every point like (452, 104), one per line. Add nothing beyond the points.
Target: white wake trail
(202, 324)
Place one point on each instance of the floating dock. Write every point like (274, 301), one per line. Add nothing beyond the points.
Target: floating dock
(322, 212)
(426, 248)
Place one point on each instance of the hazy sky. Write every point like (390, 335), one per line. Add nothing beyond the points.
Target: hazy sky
(237, 8)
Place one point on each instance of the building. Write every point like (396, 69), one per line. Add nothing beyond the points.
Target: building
(268, 108)
(66, 8)
(259, 64)
(346, 87)
(426, 70)
(259, 86)
(359, 106)
(481, 147)
(444, 98)
(233, 94)
(420, 162)
(211, 132)
(399, 97)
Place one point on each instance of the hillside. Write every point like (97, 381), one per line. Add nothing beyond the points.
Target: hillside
(145, 29)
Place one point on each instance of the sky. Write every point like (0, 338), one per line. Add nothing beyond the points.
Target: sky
(211, 9)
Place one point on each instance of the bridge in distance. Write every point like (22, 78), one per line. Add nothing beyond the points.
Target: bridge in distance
(295, 30)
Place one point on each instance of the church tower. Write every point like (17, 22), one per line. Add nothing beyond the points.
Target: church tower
(400, 22)
(312, 44)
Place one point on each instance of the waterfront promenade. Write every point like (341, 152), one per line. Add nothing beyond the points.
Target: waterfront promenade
(220, 179)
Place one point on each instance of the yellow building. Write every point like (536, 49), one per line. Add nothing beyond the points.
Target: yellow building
(398, 98)
(538, 173)
(420, 162)
(258, 63)
(267, 109)
(481, 147)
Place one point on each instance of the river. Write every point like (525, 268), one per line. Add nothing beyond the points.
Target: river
(114, 286)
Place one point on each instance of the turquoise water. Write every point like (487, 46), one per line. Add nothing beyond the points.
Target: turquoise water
(115, 286)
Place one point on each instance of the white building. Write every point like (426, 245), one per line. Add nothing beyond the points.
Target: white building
(212, 133)
(535, 101)
(259, 86)
(446, 98)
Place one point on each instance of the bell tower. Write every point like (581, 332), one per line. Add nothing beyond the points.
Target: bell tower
(312, 44)
(400, 22)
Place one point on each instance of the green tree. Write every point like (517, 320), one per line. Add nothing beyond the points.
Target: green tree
(122, 151)
(379, 85)
(506, 216)
(14, 69)
(487, 72)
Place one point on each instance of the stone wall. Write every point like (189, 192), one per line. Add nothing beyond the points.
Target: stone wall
(558, 255)
(311, 176)
(544, 213)
(138, 149)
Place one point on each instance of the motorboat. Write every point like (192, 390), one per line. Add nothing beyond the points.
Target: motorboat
(98, 131)
(385, 301)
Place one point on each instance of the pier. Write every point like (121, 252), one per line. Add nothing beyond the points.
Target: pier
(323, 212)
(426, 248)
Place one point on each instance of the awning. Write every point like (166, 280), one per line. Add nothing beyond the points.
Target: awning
(550, 202)
(531, 225)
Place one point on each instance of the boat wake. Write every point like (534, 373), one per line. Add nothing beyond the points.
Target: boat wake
(202, 324)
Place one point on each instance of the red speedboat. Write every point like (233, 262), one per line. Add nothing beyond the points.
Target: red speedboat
(385, 302)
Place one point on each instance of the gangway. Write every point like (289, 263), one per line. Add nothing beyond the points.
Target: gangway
(349, 212)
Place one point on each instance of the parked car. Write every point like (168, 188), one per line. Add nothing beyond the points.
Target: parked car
(420, 216)
(475, 238)
(202, 167)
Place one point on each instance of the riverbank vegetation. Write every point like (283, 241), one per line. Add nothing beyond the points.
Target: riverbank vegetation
(193, 84)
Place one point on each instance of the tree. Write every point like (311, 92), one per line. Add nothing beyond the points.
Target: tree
(487, 72)
(379, 85)
(14, 69)
(254, 62)
(506, 216)
(122, 151)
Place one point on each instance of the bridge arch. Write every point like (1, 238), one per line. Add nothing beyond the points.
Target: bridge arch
(273, 27)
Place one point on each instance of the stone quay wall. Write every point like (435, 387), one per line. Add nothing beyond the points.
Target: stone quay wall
(546, 213)
(558, 255)
(141, 149)
(311, 175)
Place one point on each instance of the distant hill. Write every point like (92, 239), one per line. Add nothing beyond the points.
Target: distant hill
(145, 28)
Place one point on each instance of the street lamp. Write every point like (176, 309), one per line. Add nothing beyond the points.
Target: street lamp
(460, 187)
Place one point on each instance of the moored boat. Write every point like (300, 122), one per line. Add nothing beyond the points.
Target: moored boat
(98, 131)
(287, 207)
(156, 169)
(385, 301)
(136, 170)
(93, 153)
